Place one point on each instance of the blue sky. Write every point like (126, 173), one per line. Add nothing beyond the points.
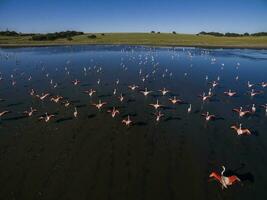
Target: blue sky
(183, 16)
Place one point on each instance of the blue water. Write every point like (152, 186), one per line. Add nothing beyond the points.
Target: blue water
(97, 157)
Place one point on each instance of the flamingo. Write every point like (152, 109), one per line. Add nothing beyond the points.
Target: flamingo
(90, 92)
(146, 92)
(156, 105)
(133, 87)
(254, 93)
(32, 92)
(253, 108)
(241, 131)
(224, 180)
(3, 113)
(127, 121)
(47, 117)
(208, 117)
(204, 97)
(264, 84)
(230, 93)
(43, 96)
(56, 99)
(158, 116)
(265, 106)
(99, 105)
(240, 112)
(189, 108)
(121, 98)
(113, 112)
(250, 85)
(164, 91)
(76, 82)
(30, 113)
(75, 113)
(175, 100)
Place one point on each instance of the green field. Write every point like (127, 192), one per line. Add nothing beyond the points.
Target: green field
(162, 39)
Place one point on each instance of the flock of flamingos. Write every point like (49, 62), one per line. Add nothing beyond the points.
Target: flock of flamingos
(224, 180)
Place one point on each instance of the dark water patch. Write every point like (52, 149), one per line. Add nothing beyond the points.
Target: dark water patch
(64, 119)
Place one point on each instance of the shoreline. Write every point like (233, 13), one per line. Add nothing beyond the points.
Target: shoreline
(137, 44)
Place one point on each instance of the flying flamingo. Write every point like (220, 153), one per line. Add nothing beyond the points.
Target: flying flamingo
(90, 92)
(250, 85)
(76, 82)
(158, 116)
(174, 100)
(241, 131)
(224, 180)
(145, 92)
(43, 96)
(30, 113)
(156, 105)
(254, 93)
(208, 117)
(133, 87)
(230, 93)
(240, 112)
(127, 121)
(75, 113)
(204, 97)
(3, 113)
(99, 105)
(113, 112)
(56, 99)
(189, 108)
(47, 117)
(164, 91)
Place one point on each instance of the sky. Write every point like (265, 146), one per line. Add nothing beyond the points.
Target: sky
(182, 16)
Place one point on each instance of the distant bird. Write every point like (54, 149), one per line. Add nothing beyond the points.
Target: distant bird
(189, 108)
(230, 93)
(56, 99)
(4, 113)
(121, 98)
(156, 105)
(164, 91)
(113, 112)
(30, 113)
(204, 97)
(90, 92)
(208, 117)
(47, 117)
(158, 116)
(145, 92)
(99, 105)
(224, 180)
(42, 96)
(253, 108)
(127, 121)
(250, 85)
(174, 100)
(265, 106)
(133, 87)
(241, 131)
(75, 113)
(263, 84)
(76, 82)
(254, 93)
(240, 112)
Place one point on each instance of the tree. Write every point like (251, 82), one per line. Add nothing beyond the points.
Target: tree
(173, 32)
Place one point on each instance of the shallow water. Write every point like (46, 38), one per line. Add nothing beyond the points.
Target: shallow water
(97, 157)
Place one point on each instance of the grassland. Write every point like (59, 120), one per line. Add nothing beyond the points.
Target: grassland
(162, 39)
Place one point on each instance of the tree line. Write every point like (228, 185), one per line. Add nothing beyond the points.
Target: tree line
(218, 34)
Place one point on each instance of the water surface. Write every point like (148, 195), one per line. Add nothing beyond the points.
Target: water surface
(96, 157)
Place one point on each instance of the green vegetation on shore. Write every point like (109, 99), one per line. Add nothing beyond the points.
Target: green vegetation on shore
(159, 39)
